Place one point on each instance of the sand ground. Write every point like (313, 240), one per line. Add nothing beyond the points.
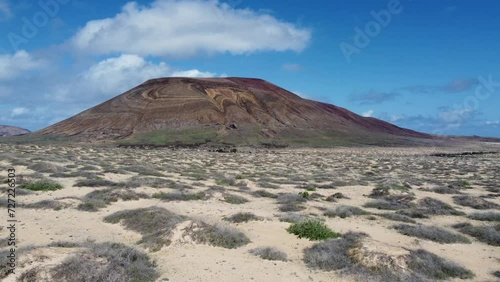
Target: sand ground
(354, 172)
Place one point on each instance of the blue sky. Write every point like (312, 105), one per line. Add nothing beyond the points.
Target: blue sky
(431, 66)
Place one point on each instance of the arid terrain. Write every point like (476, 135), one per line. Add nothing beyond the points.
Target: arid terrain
(374, 214)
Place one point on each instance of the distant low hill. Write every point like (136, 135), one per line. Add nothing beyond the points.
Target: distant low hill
(225, 110)
(6, 130)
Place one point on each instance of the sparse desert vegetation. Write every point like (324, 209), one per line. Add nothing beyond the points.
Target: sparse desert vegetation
(269, 253)
(353, 213)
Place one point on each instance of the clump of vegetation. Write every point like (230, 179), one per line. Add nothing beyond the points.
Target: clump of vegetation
(387, 190)
(333, 254)
(264, 194)
(155, 224)
(46, 204)
(475, 202)
(64, 244)
(430, 206)
(218, 235)
(432, 233)
(291, 202)
(304, 194)
(179, 196)
(144, 170)
(336, 196)
(98, 199)
(461, 184)
(312, 229)
(398, 217)
(155, 182)
(225, 181)
(95, 182)
(496, 273)
(242, 217)
(45, 167)
(392, 203)
(487, 234)
(450, 189)
(106, 262)
(42, 185)
(486, 216)
(269, 253)
(431, 266)
(340, 254)
(293, 217)
(235, 199)
(345, 211)
(266, 183)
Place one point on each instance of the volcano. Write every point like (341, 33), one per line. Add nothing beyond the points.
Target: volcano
(227, 110)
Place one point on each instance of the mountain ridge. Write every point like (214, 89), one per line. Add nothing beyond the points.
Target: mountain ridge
(6, 130)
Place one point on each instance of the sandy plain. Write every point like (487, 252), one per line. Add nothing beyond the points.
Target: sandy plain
(403, 200)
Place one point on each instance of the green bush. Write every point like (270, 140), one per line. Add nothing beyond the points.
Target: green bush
(304, 194)
(42, 185)
(313, 230)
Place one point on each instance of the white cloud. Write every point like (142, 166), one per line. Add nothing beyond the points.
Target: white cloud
(19, 111)
(186, 28)
(115, 75)
(13, 65)
(368, 113)
(455, 116)
(5, 12)
(192, 73)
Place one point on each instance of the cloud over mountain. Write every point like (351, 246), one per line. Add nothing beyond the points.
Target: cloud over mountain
(187, 28)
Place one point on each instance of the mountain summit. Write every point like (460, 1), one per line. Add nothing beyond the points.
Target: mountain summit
(228, 110)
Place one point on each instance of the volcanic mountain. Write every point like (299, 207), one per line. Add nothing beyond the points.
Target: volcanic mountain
(6, 130)
(225, 110)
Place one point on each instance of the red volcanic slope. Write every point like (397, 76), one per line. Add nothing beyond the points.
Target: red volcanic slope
(243, 108)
